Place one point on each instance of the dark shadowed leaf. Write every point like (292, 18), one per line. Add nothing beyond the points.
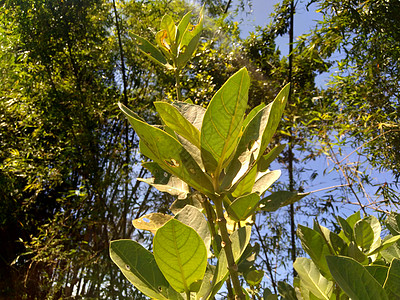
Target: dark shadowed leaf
(280, 199)
(392, 283)
(169, 153)
(354, 279)
(140, 268)
(151, 51)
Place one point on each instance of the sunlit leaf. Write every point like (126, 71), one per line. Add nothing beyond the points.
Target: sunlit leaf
(315, 246)
(312, 278)
(243, 207)
(363, 234)
(222, 122)
(183, 24)
(190, 39)
(180, 254)
(267, 159)
(193, 217)
(347, 230)
(248, 148)
(254, 277)
(174, 186)
(245, 185)
(265, 181)
(274, 117)
(168, 25)
(151, 222)
(174, 120)
(193, 199)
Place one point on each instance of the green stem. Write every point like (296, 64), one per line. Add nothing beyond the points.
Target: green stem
(210, 219)
(178, 85)
(188, 295)
(227, 245)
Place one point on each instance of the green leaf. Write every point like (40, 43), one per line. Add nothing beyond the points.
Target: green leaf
(183, 24)
(267, 295)
(363, 234)
(267, 159)
(174, 120)
(180, 254)
(352, 220)
(312, 278)
(354, 252)
(393, 251)
(315, 246)
(254, 277)
(392, 283)
(140, 268)
(243, 207)
(189, 41)
(151, 51)
(169, 153)
(274, 117)
(151, 222)
(191, 216)
(168, 25)
(335, 242)
(245, 185)
(194, 114)
(222, 122)
(338, 244)
(280, 199)
(378, 272)
(248, 149)
(286, 291)
(265, 181)
(376, 228)
(393, 223)
(385, 244)
(347, 230)
(206, 285)
(252, 114)
(354, 279)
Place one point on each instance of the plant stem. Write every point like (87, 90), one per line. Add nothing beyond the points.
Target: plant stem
(227, 246)
(210, 219)
(229, 288)
(178, 85)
